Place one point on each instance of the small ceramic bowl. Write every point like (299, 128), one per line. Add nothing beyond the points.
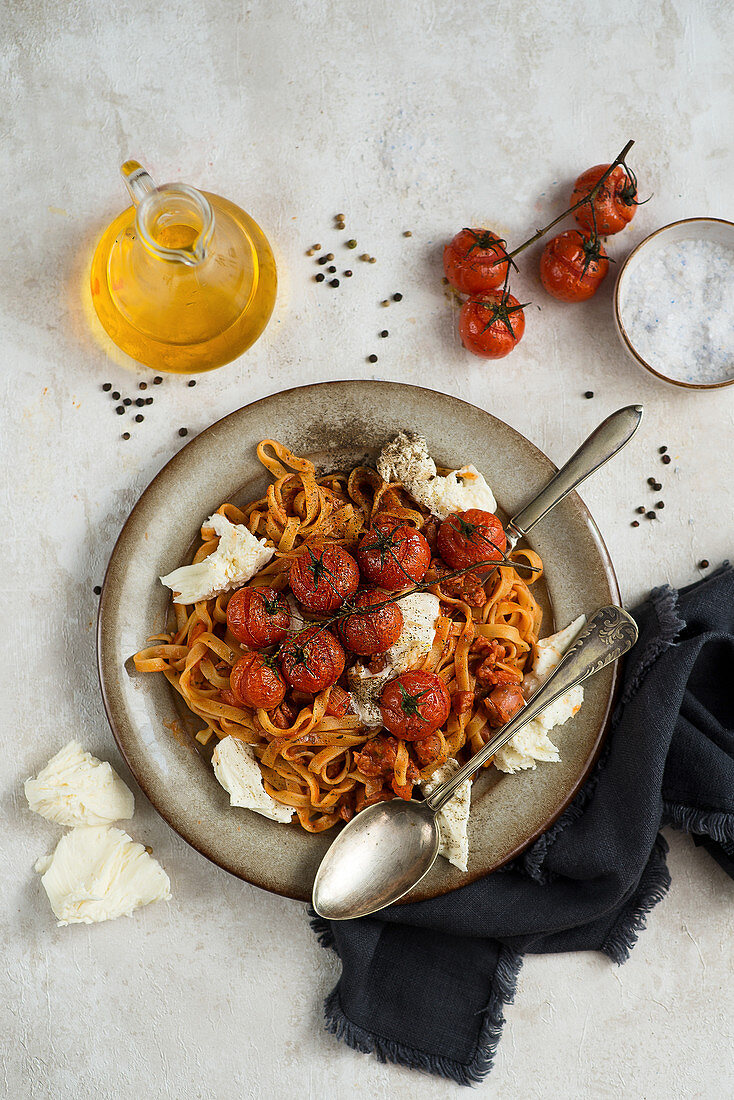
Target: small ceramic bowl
(708, 229)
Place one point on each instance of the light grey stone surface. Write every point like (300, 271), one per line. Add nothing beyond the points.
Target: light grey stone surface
(427, 117)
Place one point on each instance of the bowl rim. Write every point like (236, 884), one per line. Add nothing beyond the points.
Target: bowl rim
(629, 346)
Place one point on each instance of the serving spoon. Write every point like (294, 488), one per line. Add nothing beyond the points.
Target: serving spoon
(388, 848)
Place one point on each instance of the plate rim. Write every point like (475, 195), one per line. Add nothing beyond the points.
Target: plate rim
(469, 877)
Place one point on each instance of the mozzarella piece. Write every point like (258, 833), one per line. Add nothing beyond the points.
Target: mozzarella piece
(532, 743)
(421, 612)
(406, 459)
(99, 873)
(454, 817)
(237, 558)
(238, 771)
(75, 788)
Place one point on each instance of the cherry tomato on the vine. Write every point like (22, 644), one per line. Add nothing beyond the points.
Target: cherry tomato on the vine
(614, 203)
(368, 632)
(312, 659)
(258, 617)
(255, 682)
(491, 326)
(470, 261)
(393, 554)
(573, 266)
(323, 577)
(467, 538)
(414, 705)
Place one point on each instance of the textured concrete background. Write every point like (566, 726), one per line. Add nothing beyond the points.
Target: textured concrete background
(428, 116)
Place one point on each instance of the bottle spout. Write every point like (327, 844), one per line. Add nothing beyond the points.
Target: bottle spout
(175, 221)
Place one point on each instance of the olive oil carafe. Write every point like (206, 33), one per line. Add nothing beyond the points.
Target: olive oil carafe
(183, 280)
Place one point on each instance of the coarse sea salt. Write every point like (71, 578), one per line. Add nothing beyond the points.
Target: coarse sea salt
(677, 307)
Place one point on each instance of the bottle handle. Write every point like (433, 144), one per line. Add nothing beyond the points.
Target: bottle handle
(137, 181)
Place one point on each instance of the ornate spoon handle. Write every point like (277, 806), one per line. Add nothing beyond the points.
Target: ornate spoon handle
(609, 633)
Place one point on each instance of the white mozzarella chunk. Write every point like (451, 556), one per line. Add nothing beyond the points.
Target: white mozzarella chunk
(532, 742)
(454, 817)
(406, 459)
(238, 771)
(75, 788)
(237, 558)
(99, 873)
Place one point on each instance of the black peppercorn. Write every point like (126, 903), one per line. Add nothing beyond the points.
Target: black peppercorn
(347, 274)
(120, 410)
(641, 509)
(107, 387)
(127, 402)
(322, 260)
(126, 435)
(635, 523)
(142, 385)
(651, 482)
(331, 269)
(97, 590)
(149, 401)
(320, 277)
(703, 564)
(372, 358)
(333, 282)
(115, 395)
(183, 431)
(660, 504)
(589, 393)
(192, 381)
(157, 380)
(651, 515)
(657, 486)
(662, 450)
(140, 401)
(384, 333)
(397, 297)
(665, 459)
(139, 418)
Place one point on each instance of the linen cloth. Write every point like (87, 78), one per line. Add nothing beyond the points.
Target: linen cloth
(424, 985)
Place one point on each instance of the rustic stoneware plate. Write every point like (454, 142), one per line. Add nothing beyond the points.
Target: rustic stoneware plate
(337, 425)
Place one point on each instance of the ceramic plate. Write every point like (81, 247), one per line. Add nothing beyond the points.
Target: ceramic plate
(337, 425)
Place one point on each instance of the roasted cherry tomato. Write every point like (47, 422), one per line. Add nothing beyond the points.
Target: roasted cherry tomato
(614, 203)
(414, 705)
(572, 266)
(255, 682)
(490, 326)
(377, 756)
(466, 538)
(469, 261)
(312, 660)
(258, 617)
(369, 632)
(393, 555)
(502, 702)
(323, 577)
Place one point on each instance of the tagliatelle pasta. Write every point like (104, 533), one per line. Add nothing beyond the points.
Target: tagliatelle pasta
(310, 759)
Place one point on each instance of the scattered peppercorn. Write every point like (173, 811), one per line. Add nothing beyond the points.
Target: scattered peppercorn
(407, 233)
(635, 523)
(120, 410)
(365, 256)
(183, 431)
(662, 450)
(140, 401)
(157, 380)
(650, 515)
(660, 504)
(317, 248)
(373, 259)
(192, 381)
(310, 251)
(139, 418)
(321, 260)
(115, 395)
(149, 401)
(320, 277)
(347, 274)
(397, 297)
(665, 459)
(126, 435)
(372, 358)
(142, 385)
(331, 269)
(329, 255)
(385, 302)
(589, 393)
(651, 482)
(333, 282)
(384, 333)
(657, 486)
(97, 590)
(352, 243)
(340, 217)
(107, 387)
(127, 401)
(703, 564)
(641, 509)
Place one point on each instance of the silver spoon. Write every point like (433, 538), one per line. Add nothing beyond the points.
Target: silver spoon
(340, 875)
(389, 847)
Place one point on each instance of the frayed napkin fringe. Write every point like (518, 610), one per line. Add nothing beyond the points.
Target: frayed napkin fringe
(665, 604)
(714, 823)
(504, 984)
(651, 889)
(322, 928)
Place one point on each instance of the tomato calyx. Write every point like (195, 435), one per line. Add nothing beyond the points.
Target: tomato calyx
(471, 531)
(500, 311)
(318, 569)
(592, 247)
(272, 606)
(410, 705)
(489, 241)
(386, 543)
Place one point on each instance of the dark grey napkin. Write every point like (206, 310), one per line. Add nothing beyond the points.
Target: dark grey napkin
(424, 985)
